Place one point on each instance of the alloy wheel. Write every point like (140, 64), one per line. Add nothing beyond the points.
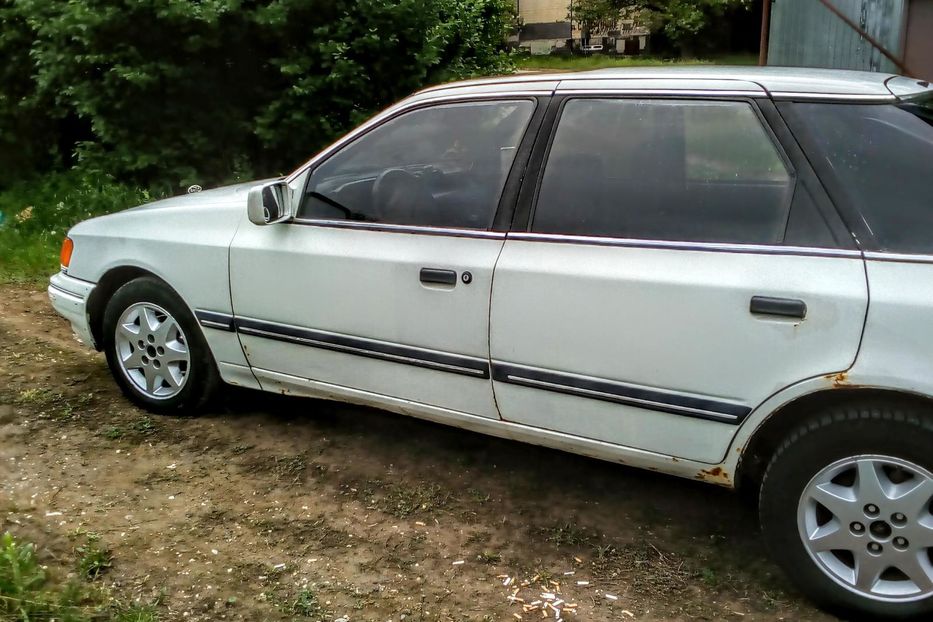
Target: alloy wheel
(867, 522)
(152, 350)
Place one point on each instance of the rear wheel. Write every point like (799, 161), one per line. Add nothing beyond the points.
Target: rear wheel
(847, 509)
(155, 349)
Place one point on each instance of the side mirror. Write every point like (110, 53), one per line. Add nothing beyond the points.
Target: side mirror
(268, 204)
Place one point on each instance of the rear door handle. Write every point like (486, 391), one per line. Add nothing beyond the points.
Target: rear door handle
(783, 307)
(437, 276)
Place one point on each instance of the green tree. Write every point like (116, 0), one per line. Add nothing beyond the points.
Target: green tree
(27, 121)
(175, 91)
(595, 15)
(681, 21)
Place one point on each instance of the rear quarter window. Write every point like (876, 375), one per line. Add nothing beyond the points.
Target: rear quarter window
(881, 156)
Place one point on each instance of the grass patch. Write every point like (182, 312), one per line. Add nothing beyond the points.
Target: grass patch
(402, 501)
(93, 560)
(306, 605)
(144, 426)
(29, 592)
(39, 397)
(605, 61)
(36, 214)
(113, 433)
(569, 534)
(644, 565)
(135, 613)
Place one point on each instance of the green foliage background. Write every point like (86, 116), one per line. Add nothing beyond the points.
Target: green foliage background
(172, 92)
(160, 94)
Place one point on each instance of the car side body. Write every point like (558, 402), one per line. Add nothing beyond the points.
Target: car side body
(185, 241)
(688, 303)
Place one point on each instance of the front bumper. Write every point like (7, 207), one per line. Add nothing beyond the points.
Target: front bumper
(69, 297)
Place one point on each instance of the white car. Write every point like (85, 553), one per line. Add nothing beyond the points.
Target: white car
(721, 274)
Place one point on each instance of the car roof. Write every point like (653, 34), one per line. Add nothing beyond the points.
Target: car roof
(778, 82)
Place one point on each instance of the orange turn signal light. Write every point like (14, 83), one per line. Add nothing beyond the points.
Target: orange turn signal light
(67, 247)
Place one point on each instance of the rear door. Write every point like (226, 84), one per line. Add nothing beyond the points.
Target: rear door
(676, 269)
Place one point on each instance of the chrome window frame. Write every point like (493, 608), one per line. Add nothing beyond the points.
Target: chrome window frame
(717, 247)
(387, 116)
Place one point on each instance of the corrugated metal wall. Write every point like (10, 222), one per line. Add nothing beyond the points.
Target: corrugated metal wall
(805, 33)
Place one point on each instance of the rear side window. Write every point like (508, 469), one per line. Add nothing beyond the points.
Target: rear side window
(700, 171)
(882, 158)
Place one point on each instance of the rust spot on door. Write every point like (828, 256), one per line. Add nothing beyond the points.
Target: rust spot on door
(839, 380)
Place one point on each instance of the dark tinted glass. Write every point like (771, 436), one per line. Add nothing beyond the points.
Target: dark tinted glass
(882, 156)
(663, 170)
(443, 166)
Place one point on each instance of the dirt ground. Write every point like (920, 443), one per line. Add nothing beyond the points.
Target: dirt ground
(271, 508)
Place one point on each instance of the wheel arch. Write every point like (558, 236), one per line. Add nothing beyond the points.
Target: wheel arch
(106, 287)
(767, 437)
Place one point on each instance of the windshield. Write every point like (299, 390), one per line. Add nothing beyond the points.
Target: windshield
(882, 157)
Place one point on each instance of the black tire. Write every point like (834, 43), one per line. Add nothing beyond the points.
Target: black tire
(202, 379)
(903, 431)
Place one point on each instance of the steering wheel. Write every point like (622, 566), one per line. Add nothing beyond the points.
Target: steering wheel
(401, 198)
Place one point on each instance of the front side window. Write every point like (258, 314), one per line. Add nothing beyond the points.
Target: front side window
(443, 166)
(700, 171)
(881, 155)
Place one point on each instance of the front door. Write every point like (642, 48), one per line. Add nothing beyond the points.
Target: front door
(380, 287)
(661, 291)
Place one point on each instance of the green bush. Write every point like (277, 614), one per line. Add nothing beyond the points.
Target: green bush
(173, 92)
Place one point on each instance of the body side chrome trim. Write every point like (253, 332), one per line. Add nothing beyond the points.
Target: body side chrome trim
(620, 393)
(569, 91)
(898, 257)
(214, 319)
(760, 249)
(390, 228)
(361, 346)
(831, 97)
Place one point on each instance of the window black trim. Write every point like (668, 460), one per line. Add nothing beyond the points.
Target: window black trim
(521, 215)
(529, 198)
(513, 180)
(850, 215)
(807, 176)
(508, 200)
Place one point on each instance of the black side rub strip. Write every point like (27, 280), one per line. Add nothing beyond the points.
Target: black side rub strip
(441, 361)
(212, 319)
(609, 391)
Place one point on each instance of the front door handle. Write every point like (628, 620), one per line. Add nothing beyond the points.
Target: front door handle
(437, 276)
(783, 307)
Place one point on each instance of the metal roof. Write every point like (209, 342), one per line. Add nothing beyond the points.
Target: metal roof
(779, 82)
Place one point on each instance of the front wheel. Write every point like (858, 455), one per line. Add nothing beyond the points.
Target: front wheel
(846, 507)
(155, 349)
